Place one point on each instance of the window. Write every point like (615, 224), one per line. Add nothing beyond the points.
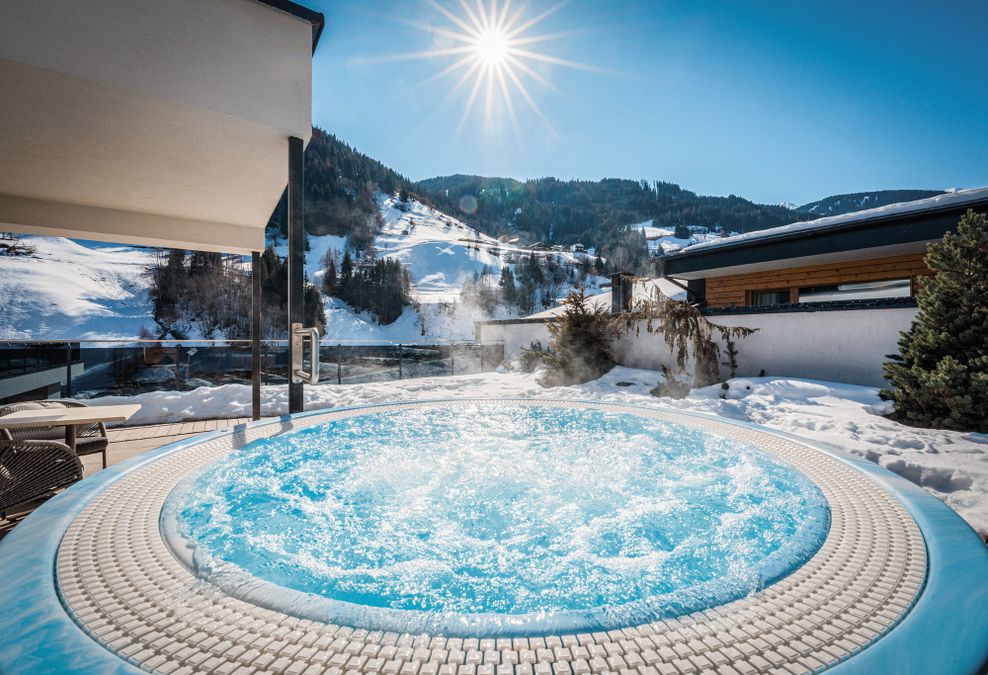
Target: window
(868, 290)
(775, 297)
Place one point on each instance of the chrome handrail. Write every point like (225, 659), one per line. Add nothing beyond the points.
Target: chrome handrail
(299, 333)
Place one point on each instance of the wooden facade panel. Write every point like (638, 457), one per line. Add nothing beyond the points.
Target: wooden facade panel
(736, 289)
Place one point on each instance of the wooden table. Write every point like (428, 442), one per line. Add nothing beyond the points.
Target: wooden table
(70, 418)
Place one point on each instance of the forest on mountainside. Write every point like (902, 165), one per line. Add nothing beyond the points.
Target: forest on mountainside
(594, 213)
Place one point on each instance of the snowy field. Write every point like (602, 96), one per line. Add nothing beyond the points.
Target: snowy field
(953, 466)
(77, 290)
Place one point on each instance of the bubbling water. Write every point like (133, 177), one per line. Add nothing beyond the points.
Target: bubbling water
(582, 517)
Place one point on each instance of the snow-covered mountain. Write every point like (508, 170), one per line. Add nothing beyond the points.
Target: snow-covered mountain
(88, 290)
(442, 254)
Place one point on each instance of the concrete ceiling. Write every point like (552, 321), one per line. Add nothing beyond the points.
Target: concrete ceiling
(159, 122)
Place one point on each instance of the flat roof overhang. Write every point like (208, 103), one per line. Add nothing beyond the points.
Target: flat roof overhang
(157, 123)
(897, 234)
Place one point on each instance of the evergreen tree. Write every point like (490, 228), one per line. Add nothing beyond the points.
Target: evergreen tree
(346, 270)
(682, 231)
(940, 376)
(329, 278)
(509, 292)
(381, 287)
(526, 296)
(313, 313)
(169, 278)
(582, 343)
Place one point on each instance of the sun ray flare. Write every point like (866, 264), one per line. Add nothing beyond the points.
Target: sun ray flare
(493, 48)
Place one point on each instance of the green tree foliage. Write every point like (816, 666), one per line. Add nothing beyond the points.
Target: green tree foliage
(381, 287)
(208, 291)
(346, 270)
(329, 278)
(682, 231)
(940, 376)
(509, 292)
(596, 213)
(168, 281)
(274, 298)
(581, 345)
(340, 183)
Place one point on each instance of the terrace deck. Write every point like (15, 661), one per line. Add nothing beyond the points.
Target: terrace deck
(126, 442)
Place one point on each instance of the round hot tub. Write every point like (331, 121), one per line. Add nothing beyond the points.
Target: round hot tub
(495, 520)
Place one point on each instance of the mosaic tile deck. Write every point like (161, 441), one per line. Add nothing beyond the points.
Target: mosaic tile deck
(123, 586)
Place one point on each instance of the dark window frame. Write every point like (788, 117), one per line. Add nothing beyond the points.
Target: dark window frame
(752, 296)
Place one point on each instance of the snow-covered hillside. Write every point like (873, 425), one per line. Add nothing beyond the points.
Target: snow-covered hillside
(74, 289)
(87, 290)
(663, 240)
(442, 254)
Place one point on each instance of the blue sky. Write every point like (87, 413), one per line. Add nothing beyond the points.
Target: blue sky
(773, 101)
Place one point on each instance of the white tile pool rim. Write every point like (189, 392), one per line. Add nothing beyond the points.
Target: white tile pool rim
(122, 602)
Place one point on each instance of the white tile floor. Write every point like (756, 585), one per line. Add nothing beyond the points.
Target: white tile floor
(130, 593)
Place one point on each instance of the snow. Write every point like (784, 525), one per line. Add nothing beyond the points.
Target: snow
(642, 291)
(92, 291)
(441, 253)
(953, 466)
(957, 198)
(74, 289)
(663, 240)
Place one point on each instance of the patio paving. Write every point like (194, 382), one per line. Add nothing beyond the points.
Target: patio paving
(128, 441)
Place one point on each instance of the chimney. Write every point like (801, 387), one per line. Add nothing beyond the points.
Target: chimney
(622, 289)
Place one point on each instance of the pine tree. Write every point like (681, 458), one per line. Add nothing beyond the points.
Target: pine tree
(329, 278)
(509, 292)
(682, 232)
(346, 269)
(940, 376)
(582, 343)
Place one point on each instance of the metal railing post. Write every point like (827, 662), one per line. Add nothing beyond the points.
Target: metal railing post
(339, 364)
(68, 370)
(399, 362)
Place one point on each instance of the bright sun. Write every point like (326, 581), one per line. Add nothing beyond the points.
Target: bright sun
(492, 47)
(494, 54)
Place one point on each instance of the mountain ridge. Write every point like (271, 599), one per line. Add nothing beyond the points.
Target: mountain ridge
(835, 205)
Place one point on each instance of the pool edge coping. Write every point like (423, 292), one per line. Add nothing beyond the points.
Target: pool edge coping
(36, 607)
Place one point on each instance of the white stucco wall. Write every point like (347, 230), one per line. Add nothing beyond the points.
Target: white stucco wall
(841, 346)
(514, 336)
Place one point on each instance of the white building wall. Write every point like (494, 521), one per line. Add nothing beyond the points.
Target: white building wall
(515, 336)
(842, 346)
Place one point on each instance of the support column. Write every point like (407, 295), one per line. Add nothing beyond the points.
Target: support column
(296, 262)
(255, 335)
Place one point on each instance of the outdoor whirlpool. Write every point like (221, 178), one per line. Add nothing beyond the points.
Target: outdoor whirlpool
(494, 537)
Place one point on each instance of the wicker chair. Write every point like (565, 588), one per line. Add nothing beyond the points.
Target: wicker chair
(31, 470)
(90, 438)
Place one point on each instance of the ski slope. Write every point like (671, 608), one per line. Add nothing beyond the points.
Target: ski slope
(74, 290)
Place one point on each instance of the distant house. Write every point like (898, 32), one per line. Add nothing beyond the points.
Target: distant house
(870, 257)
